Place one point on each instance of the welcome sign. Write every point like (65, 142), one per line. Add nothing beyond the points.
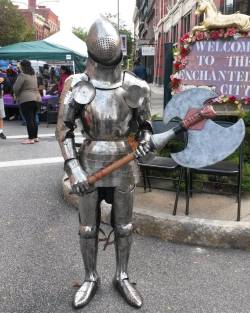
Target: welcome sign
(224, 64)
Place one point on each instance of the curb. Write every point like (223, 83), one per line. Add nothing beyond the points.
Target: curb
(180, 229)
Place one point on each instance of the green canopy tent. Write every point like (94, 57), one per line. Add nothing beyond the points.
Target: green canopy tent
(41, 50)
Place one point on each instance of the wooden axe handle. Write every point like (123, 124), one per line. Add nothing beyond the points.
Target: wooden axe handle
(110, 168)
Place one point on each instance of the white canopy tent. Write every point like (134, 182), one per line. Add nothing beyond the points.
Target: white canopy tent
(66, 39)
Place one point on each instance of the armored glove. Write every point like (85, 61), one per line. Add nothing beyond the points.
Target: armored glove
(77, 176)
(144, 146)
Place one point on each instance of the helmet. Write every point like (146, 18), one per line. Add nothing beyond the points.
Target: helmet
(103, 42)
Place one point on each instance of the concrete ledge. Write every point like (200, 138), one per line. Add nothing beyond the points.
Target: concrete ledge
(180, 229)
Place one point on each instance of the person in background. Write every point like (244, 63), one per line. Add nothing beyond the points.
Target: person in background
(140, 70)
(53, 78)
(11, 74)
(28, 96)
(2, 111)
(46, 75)
(64, 74)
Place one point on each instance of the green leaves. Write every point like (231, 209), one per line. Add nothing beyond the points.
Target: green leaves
(13, 27)
(80, 32)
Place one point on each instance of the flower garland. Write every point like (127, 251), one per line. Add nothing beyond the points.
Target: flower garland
(180, 58)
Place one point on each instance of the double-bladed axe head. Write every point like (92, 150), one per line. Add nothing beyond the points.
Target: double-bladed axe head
(210, 144)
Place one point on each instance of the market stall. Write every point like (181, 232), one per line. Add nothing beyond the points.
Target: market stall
(42, 50)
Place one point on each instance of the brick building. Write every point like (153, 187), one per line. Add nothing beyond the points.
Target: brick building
(44, 21)
(165, 21)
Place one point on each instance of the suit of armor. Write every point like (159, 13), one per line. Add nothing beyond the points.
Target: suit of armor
(110, 105)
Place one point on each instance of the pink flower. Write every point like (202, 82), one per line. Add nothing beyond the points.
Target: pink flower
(184, 38)
(184, 61)
(199, 35)
(247, 101)
(177, 66)
(184, 52)
(215, 35)
(176, 83)
(231, 32)
(232, 98)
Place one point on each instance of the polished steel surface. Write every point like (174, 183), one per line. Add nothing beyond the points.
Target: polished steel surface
(211, 145)
(76, 78)
(107, 117)
(95, 155)
(122, 214)
(129, 292)
(103, 42)
(77, 176)
(159, 141)
(68, 99)
(109, 109)
(83, 92)
(104, 77)
(84, 294)
(69, 151)
(89, 217)
(137, 97)
(144, 146)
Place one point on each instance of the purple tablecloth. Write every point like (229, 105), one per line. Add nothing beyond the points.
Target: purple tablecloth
(10, 103)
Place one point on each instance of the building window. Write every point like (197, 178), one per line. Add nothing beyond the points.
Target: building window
(232, 6)
(174, 35)
(186, 23)
(229, 6)
(166, 39)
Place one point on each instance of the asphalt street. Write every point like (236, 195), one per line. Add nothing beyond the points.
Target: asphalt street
(40, 260)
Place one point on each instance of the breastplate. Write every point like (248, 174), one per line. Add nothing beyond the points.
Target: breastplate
(106, 124)
(107, 117)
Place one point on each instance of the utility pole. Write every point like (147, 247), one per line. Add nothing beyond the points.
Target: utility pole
(118, 15)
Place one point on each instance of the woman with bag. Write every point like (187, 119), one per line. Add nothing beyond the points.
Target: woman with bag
(28, 96)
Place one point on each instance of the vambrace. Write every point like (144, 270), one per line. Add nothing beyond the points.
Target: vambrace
(75, 173)
(69, 148)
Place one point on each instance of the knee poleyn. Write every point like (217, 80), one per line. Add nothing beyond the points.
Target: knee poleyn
(123, 230)
(86, 231)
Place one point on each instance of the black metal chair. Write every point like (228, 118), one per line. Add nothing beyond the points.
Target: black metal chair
(162, 164)
(52, 111)
(223, 168)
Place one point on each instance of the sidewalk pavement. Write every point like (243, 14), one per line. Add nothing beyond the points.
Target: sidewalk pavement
(157, 90)
(157, 94)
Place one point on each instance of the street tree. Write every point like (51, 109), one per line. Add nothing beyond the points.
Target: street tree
(13, 27)
(80, 32)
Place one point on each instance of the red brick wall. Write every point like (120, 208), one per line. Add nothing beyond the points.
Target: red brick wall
(32, 5)
(42, 31)
(160, 11)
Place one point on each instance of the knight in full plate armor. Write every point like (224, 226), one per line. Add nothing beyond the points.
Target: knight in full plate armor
(110, 105)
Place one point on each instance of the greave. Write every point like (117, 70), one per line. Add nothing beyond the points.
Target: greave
(89, 249)
(123, 240)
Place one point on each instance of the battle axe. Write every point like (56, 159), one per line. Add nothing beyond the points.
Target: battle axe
(208, 142)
